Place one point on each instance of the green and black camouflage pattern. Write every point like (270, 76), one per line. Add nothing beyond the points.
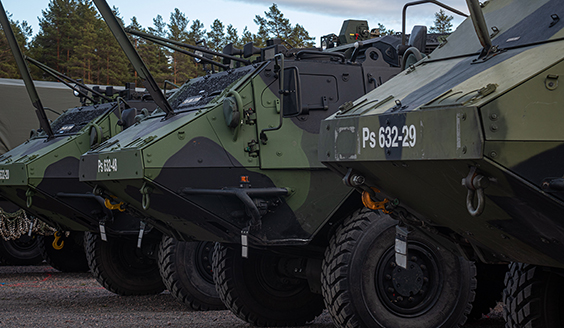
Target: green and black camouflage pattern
(183, 172)
(417, 136)
(41, 175)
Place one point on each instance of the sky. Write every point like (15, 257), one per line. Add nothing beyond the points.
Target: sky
(319, 17)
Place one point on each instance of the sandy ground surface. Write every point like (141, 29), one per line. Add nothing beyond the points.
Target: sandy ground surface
(40, 296)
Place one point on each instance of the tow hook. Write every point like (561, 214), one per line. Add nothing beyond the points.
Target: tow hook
(476, 184)
(56, 245)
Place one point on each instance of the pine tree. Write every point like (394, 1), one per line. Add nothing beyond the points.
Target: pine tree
(196, 35)
(84, 58)
(231, 36)
(153, 55)
(8, 66)
(54, 42)
(442, 23)
(246, 36)
(114, 67)
(216, 36)
(274, 25)
(384, 31)
(178, 31)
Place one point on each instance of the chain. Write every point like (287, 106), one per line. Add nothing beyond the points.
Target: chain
(14, 225)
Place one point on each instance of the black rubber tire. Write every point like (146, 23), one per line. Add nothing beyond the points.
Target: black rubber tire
(360, 280)
(254, 292)
(71, 258)
(187, 273)
(490, 288)
(533, 297)
(22, 251)
(120, 267)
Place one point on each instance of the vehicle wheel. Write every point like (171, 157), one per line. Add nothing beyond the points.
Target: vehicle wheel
(363, 287)
(70, 258)
(490, 288)
(533, 297)
(253, 289)
(121, 267)
(21, 251)
(186, 270)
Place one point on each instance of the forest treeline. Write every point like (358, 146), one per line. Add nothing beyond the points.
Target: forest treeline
(74, 39)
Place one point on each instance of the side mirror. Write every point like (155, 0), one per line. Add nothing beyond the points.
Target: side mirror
(292, 102)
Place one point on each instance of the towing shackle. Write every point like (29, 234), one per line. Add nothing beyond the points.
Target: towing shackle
(475, 183)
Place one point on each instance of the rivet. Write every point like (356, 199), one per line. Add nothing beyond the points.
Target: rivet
(493, 154)
(493, 127)
(278, 153)
(493, 116)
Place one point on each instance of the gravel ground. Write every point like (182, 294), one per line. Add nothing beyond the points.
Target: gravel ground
(40, 296)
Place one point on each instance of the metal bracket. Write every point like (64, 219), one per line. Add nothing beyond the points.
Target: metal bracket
(103, 231)
(401, 246)
(245, 242)
(141, 231)
(31, 228)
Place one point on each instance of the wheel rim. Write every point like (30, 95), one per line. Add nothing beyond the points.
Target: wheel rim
(132, 260)
(204, 253)
(277, 285)
(413, 291)
(24, 243)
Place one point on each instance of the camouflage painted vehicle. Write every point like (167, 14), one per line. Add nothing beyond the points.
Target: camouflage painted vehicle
(15, 126)
(232, 158)
(41, 176)
(465, 147)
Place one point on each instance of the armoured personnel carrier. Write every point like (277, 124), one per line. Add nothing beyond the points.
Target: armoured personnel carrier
(41, 176)
(464, 147)
(15, 126)
(232, 158)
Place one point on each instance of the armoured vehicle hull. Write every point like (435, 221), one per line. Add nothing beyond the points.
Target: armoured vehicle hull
(15, 125)
(178, 170)
(233, 158)
(464, 146)
(42, 175)
(416, 137)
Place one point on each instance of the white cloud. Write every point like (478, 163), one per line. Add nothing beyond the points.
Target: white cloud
(375, 11)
